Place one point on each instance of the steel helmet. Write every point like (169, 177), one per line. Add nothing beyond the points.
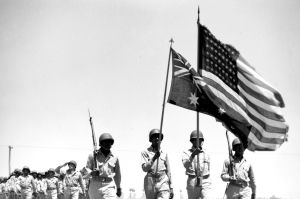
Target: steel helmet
(73, 162)
(106, 136)
(26, 168)
(153, 132)
(194, 135)
(51, 170)
(236, 141)
(17, 171)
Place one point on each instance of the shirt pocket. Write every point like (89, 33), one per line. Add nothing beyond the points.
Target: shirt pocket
(111, 167)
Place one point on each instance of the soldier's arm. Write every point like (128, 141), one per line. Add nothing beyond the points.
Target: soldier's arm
(146, 162)
(169, 171)
(187, 160)
(252, 180)
(117, 177)
(80, 179)
(225, 174)
(89, 165)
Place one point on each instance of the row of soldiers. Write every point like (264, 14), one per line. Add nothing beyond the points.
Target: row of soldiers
(102, 173)
(51, 184)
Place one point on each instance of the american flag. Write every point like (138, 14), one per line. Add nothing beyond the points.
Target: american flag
(235, 87)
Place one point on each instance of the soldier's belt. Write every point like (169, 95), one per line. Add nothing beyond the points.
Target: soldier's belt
(103, 179)
(242, 185)
(156, 175)
(203, 177)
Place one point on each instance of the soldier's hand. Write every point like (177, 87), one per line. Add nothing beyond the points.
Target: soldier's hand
(232, 178)
(119, 192)
(34, 194)
(157, 154)
(95, 172)
(171, 193)
(196, 152)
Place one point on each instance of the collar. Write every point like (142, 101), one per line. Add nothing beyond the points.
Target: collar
(151, 149)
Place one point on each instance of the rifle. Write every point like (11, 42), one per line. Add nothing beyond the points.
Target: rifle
(230, 169)
(94, 141)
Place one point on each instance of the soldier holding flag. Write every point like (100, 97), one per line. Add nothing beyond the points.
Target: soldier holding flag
(198, 182)
(157, 182)
(241, 181)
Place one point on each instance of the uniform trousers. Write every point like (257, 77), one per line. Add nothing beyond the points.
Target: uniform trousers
(157, 187)
(51, 194)
(238, 192)
(71, 193)
(99, 189)
(26, 193)
(196, 192)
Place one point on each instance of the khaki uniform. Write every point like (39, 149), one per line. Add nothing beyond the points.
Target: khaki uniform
(52, 188)
(245, 186)
(190, 165)
(41, 188)
(104, 186)
(12, 187)
(72, 183)
(26, 186)
(157, 182)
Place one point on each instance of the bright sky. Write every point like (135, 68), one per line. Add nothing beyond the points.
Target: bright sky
(60, 58)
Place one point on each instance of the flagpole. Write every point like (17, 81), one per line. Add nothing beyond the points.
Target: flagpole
(199, 61)
(164, 100)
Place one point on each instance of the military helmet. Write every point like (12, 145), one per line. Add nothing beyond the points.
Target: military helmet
(106, 136)
(236, 141)
(73, 162)
(33, 171)
(194, 135)
(51, 170)
(17, 171)
(26, 168)
(153, 132)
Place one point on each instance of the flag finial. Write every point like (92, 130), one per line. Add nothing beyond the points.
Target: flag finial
(171, 41)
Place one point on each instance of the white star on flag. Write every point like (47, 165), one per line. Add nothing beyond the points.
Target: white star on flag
(193, 99)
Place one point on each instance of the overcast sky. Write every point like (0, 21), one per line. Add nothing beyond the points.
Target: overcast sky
(60, 58)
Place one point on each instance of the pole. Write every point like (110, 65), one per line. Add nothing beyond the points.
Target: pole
(199, 61)
(164, 100)
(9, 159)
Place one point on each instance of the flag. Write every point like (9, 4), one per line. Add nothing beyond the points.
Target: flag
(186, 92)
(235, 87)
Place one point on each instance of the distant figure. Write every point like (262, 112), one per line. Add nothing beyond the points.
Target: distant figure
(52, 186)
(41, 185)
(12, 184)
(105, 182)
(72, 181)
(157, 182)
(198, 182)
(242, 182)
(26, 184)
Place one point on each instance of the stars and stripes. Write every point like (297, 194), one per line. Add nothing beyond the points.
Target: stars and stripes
(233, 85)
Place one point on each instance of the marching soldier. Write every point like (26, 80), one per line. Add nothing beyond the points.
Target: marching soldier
(12, 184)
(52, 186)
(104, 168)
(26, 184)
(198, 182)
(41, 185)
(157, 182)
(242, 182)
(72, 181)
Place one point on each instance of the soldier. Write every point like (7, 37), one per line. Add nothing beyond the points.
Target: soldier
(106, 175)
(26, 184)
(157, 182)
(242, 182)
(12, 184)
(41, 185)
(72, 181)
(198, 182)
(52, 185)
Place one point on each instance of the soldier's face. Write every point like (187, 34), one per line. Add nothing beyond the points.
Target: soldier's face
(106, 144)
(154, 139)
(194, 142)
(239, 150)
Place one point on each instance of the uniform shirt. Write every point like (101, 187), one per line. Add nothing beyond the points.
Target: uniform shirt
(73, 179)
(151, 167)
(242, 170)
(12, 183)
(109, 166)
(52, 183)
(191, 164)
(41, 186)
(26, 183)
